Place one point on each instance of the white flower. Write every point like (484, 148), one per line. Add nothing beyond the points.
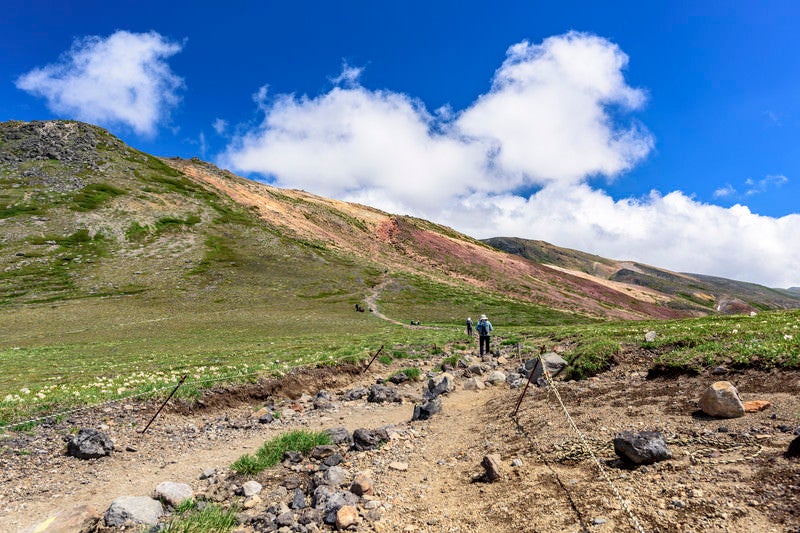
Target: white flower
(25, 390)
(788, 337)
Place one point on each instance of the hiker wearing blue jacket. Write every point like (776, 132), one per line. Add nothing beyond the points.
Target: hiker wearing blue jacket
(484, 329)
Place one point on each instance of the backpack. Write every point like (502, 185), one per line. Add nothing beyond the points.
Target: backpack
(482, 329)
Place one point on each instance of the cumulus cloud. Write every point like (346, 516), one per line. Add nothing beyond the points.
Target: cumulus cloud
(121, 79)
(220, 126)
(517, 162)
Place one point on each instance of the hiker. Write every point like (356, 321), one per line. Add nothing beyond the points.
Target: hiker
(469, 327)
(484, 328)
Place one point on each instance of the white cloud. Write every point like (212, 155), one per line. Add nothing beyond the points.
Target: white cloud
(220, 126)
(121, 79)
(556, 115)
(724, 192)
(760, 186)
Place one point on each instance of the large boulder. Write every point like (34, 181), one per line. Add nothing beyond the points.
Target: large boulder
(441, 384)
(554, 363)
(382, 394)
(427, 409)
(133, 509)
(90, 444)
(369, 439)
(641, 448)
(722, 400)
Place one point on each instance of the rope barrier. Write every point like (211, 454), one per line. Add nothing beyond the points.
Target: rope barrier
(552, 388)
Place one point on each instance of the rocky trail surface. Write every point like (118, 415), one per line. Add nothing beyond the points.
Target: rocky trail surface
(724, 474)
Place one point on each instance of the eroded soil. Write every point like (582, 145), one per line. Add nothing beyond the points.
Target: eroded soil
(726, 475)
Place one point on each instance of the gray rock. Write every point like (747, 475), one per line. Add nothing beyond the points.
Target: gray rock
(336, 476)
(336, 501)
(496, 378)
(333, 460)
(135, 509)
(322, 451)
(251, 488)
(90, 444)
(650, 336)
(641, 448)
(298, 500)
(474, 384)
(310, 516)
(340, 435)
(356, 394)
(427, 409)
(365, 439)
(173, 494)
(208, 473)
(383, 394)
(266, 418)
(285, 519)
(441, 384)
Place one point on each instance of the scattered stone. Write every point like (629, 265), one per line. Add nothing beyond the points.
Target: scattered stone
(251, 501)
(355, 394)
(131, 449)
(475, 370)
(502, 360)
(516, 462)
(398, 378)
(362, 485)
(208, 473)
(340, 435)
(650, 336)
(427, 409)
(78, 519)
(646, 447)
(441, 384)
(266, 418)
(251, 488)
(365, 439)
(322, 451)
(399, 466)
(599, 521)
(383, 394)
(754, 406)
(794, 448)
(346, 517)
(310, 516)
(285, 519)
(474, 384)
(496, 378)
(173, 494)
(333, 460)
(293, 456)
(136, 509)
(722, 400)
(493, 467)
(719, 370)
(554, 363)
(90, 444)
(298, 500)
(336, 476)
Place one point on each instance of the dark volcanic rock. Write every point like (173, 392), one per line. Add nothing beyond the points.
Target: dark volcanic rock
(641, 448)
(90, 444)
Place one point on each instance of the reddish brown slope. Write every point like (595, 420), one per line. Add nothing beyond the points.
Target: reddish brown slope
(416, 246)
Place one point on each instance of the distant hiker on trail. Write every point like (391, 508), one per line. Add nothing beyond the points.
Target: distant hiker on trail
(469, 327)
(485, 329)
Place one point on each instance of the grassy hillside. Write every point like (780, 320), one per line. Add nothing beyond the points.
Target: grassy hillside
(120, 271)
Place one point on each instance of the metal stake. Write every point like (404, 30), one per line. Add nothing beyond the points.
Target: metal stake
(530, 378)
(165, 401)
(373, 358)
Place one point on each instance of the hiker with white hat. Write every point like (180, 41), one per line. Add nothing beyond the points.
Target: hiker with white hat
(484, 329)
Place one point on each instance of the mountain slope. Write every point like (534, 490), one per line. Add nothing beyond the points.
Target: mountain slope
(82, 215)
(696, 291)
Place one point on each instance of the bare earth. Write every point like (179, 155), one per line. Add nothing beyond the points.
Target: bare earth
(726, 475)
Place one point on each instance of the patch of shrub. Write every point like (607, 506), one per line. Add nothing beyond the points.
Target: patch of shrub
(272, 451)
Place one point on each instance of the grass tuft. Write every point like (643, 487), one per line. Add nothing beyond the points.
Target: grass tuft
(272, 451)
(210, 519)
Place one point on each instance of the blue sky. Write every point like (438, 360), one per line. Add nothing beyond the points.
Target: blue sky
(663, 133)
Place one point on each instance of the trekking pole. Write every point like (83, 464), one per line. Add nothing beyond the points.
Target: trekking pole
(373, 358)
(525, 390)
(165, 401)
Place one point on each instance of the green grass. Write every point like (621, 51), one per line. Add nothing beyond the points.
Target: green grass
(413, 373)
(591, 357)
(212, 518)
(94, 195)
(272, 451)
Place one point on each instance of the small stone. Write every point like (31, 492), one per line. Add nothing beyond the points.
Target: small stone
(516, 462)
(474, 384)
(427, 409)
(794, 448)
(599, 521)
(136, 509)
(251, 501)
(90, 444)
(496, 378)
(493, 467)
(340, 435)
(346, 517)
(362, 485)
(755, 406)
(251, 488)
(650, 336)
(173, 494)
(399, 466)
(79, 518)
(208, 473)
(641, 448)
(298, 500)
